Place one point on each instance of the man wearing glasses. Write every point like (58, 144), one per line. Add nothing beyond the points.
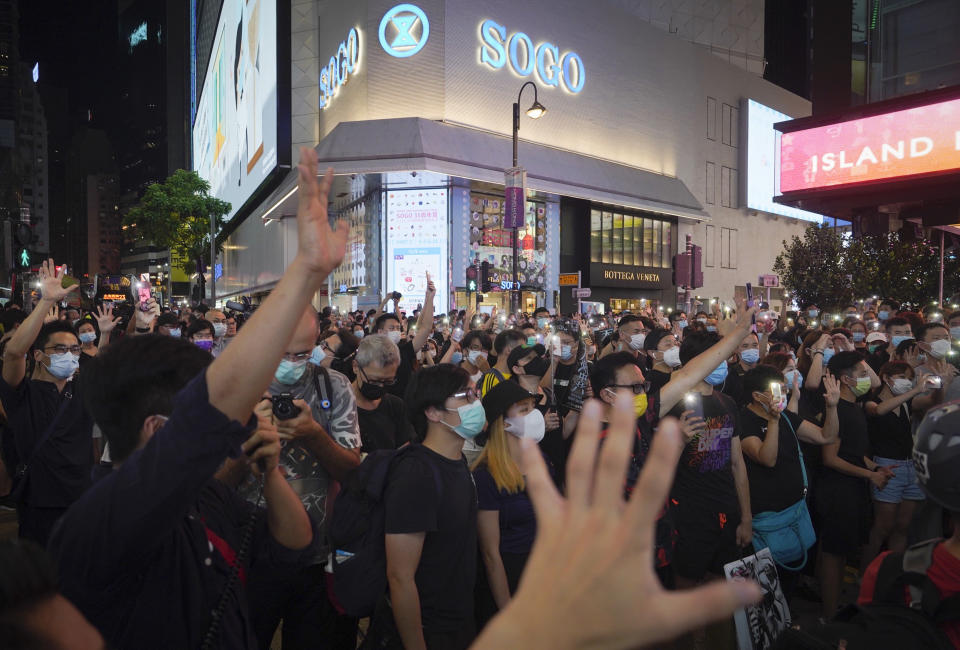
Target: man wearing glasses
(382, 416)
(51, 428)
(323, 444)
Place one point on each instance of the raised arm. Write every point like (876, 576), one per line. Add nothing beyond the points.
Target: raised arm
(425, 320)
(257, 349)
(107, 323)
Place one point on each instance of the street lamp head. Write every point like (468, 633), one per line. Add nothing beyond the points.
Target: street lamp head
(536, 111)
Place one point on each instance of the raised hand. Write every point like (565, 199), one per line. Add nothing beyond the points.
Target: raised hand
(831, 388)
(319, 246)
(691, 425)
(51, 282)
(105, 320)
(431, 287)
(53, 315)
(146, 319)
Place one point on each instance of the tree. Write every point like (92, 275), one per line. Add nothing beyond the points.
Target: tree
(814, 269)
(176, 215)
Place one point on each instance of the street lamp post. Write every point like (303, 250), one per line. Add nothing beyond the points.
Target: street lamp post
(535, 111)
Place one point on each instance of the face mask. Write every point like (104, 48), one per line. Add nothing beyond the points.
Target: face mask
(813, 313)
(456, 357)
(938, 349)
(372, 391)
(472, 419)
(640, 404)
(636, 341)
(62, 366)
(394, 336)
(290, 372)
(955, 332)
(219, 329)
(718, 376)
(542, 323)
(750, 355)
(474, 355)
(827, 355)
(536, 368)
(671, 357)
(530, 426)
(883, 314)
(711, 328)
(901, 386)
(858, 337)
(358, 333)
(318, 355)
(90, 337)
(682, 323)
(566, 352)
(862, 387)
(897, 340)
(204, 345)
(702, 320)
(873, 347)
(789, 375)
(175, 332)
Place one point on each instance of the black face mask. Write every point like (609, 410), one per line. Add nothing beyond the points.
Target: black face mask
(372, 391)
(538, 367)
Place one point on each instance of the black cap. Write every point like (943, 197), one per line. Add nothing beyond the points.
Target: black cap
(501, 397)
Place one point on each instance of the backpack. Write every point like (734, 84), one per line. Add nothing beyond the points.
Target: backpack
(356, 532)
(889, 621)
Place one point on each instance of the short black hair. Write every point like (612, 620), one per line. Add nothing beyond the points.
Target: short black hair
(382, 319)
(27, 578)
(843, 363)
(199, 325)
(134, 378)
(88, 320)
(632, 318)
(349, 342)
(696, 343)
(926, 327)
(505, 338)
(201, 309)
(49, 330)
(604, 372)
(433, 386)
(896, 321)
(653, 338)
(12, 317)
(758, 380)
(479, 335)
(541, 310)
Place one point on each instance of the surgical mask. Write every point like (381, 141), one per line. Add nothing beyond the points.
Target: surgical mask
(566, 352)
(219, 329)
(472, 419)
(62, 366)
(955, 332)
(859, 337)
(702, 320)
(394, 335)
(682, 323)
(883, 314)
(527, 427)
(711, 328)
(671, 357)
(813, 313)
(901, 386)
(636, 341)
(789, 375)
(718, 376)
(358, 333)
(827, 355)
(938, 349)
(862, 387)
(537, 367)
(456, 357)
(290, 372)
(318, 355)
(175, 332)
(873, 347)
(897, 340)
(542, 323)
(474, 355)
(750, 355)
(204, 345)
(88, 337)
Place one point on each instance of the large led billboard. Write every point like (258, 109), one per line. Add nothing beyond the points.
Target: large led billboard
(763, 162)
(904, 143)
(416, 231)
(235, 133)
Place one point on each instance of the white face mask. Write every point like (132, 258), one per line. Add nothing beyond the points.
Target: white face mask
(530, 426)
(940, 349)
(671, 357)
(474, 355)
(394, 336)
(901, 386)
(219, 329)
(636, 341)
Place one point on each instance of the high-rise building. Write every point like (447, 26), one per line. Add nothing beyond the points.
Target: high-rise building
(104, 238)
(32, 148)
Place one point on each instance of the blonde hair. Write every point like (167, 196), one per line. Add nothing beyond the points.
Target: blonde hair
(496, 456)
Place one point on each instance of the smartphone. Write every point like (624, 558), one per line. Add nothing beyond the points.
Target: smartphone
(777, 390)
(143, 292)
(457, 334)
(555, 346)
(935, 382)
(396, 295)
(694, 402)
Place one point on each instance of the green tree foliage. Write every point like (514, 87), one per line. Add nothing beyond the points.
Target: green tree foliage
(814, 268)
(176, 214)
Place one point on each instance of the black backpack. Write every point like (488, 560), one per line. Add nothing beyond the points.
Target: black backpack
(356, 532)
(890, 621)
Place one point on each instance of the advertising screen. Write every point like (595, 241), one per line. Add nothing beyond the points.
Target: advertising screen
(763, 162)
(417, 244)
(235, 130)
(920, 140)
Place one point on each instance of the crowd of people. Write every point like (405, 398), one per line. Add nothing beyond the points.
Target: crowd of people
(550, 481)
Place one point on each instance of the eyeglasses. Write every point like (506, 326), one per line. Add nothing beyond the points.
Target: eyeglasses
(470, 395)
(298, 356)
(638, 389)
(376, 382)
(63, 349)
(326, 346)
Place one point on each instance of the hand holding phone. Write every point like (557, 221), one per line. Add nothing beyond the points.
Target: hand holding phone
(694, 402)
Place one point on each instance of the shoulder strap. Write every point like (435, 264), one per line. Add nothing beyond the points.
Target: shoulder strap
(326, 390)
(803, 466)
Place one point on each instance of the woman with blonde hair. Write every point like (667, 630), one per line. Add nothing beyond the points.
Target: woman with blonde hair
(506, 524)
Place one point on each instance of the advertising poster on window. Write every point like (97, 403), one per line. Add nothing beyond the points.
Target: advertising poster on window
(494, 244)
(417, 244)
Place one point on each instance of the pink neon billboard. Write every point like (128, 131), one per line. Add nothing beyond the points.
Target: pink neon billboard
(912, 141)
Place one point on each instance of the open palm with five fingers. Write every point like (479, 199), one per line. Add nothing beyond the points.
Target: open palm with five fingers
(319, 246)
(105, 319)
(51, 282)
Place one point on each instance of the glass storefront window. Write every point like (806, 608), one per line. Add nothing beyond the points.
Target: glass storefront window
(595, 243)
(491, 242)
(618, 239)
(607, 234)
(630, 240)
(667, 241)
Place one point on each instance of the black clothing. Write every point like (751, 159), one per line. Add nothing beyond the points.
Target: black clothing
(385, 427)
(773, 488)
(891, 435)
(408, 357)
(657, 379)
(733, 384)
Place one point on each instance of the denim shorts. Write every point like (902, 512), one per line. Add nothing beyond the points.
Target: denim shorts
(902, 487)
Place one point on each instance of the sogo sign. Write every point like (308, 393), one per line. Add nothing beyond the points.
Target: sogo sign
(496, 50)
(338, 70)
(902, 143)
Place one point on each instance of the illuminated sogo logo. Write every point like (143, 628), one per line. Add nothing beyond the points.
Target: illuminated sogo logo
(338, 70)
(404, 31)
(552, 68)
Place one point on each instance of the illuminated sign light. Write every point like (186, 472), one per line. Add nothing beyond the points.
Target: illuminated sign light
(902, 143)
(338, 70)
(404, 31)
(497, 49)
(36, 72)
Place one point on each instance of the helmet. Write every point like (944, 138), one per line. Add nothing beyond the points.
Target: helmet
(936, 455)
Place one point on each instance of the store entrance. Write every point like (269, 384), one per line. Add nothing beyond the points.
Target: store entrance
(529, 300)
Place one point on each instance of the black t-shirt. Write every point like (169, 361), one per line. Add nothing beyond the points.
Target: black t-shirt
(733, 384)
(704, 474)
(891, 435)
(518, 524)
(448, 562)
(658, 379)
(385, 427)
(773, 488)
(854, 439)
(553, 446)
(408, 357)
(878, 359)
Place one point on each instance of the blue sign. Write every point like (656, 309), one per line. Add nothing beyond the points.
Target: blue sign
(338, 70)
(217, 271)
(552, 69)
(404, 31)
(509, 285)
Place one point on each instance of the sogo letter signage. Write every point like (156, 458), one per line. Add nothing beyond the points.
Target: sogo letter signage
(913, 141)
(552, 68)
(338, 70)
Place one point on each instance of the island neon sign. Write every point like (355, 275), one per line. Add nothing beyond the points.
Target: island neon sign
(552, 68)
(337, 72)
(907, 142)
